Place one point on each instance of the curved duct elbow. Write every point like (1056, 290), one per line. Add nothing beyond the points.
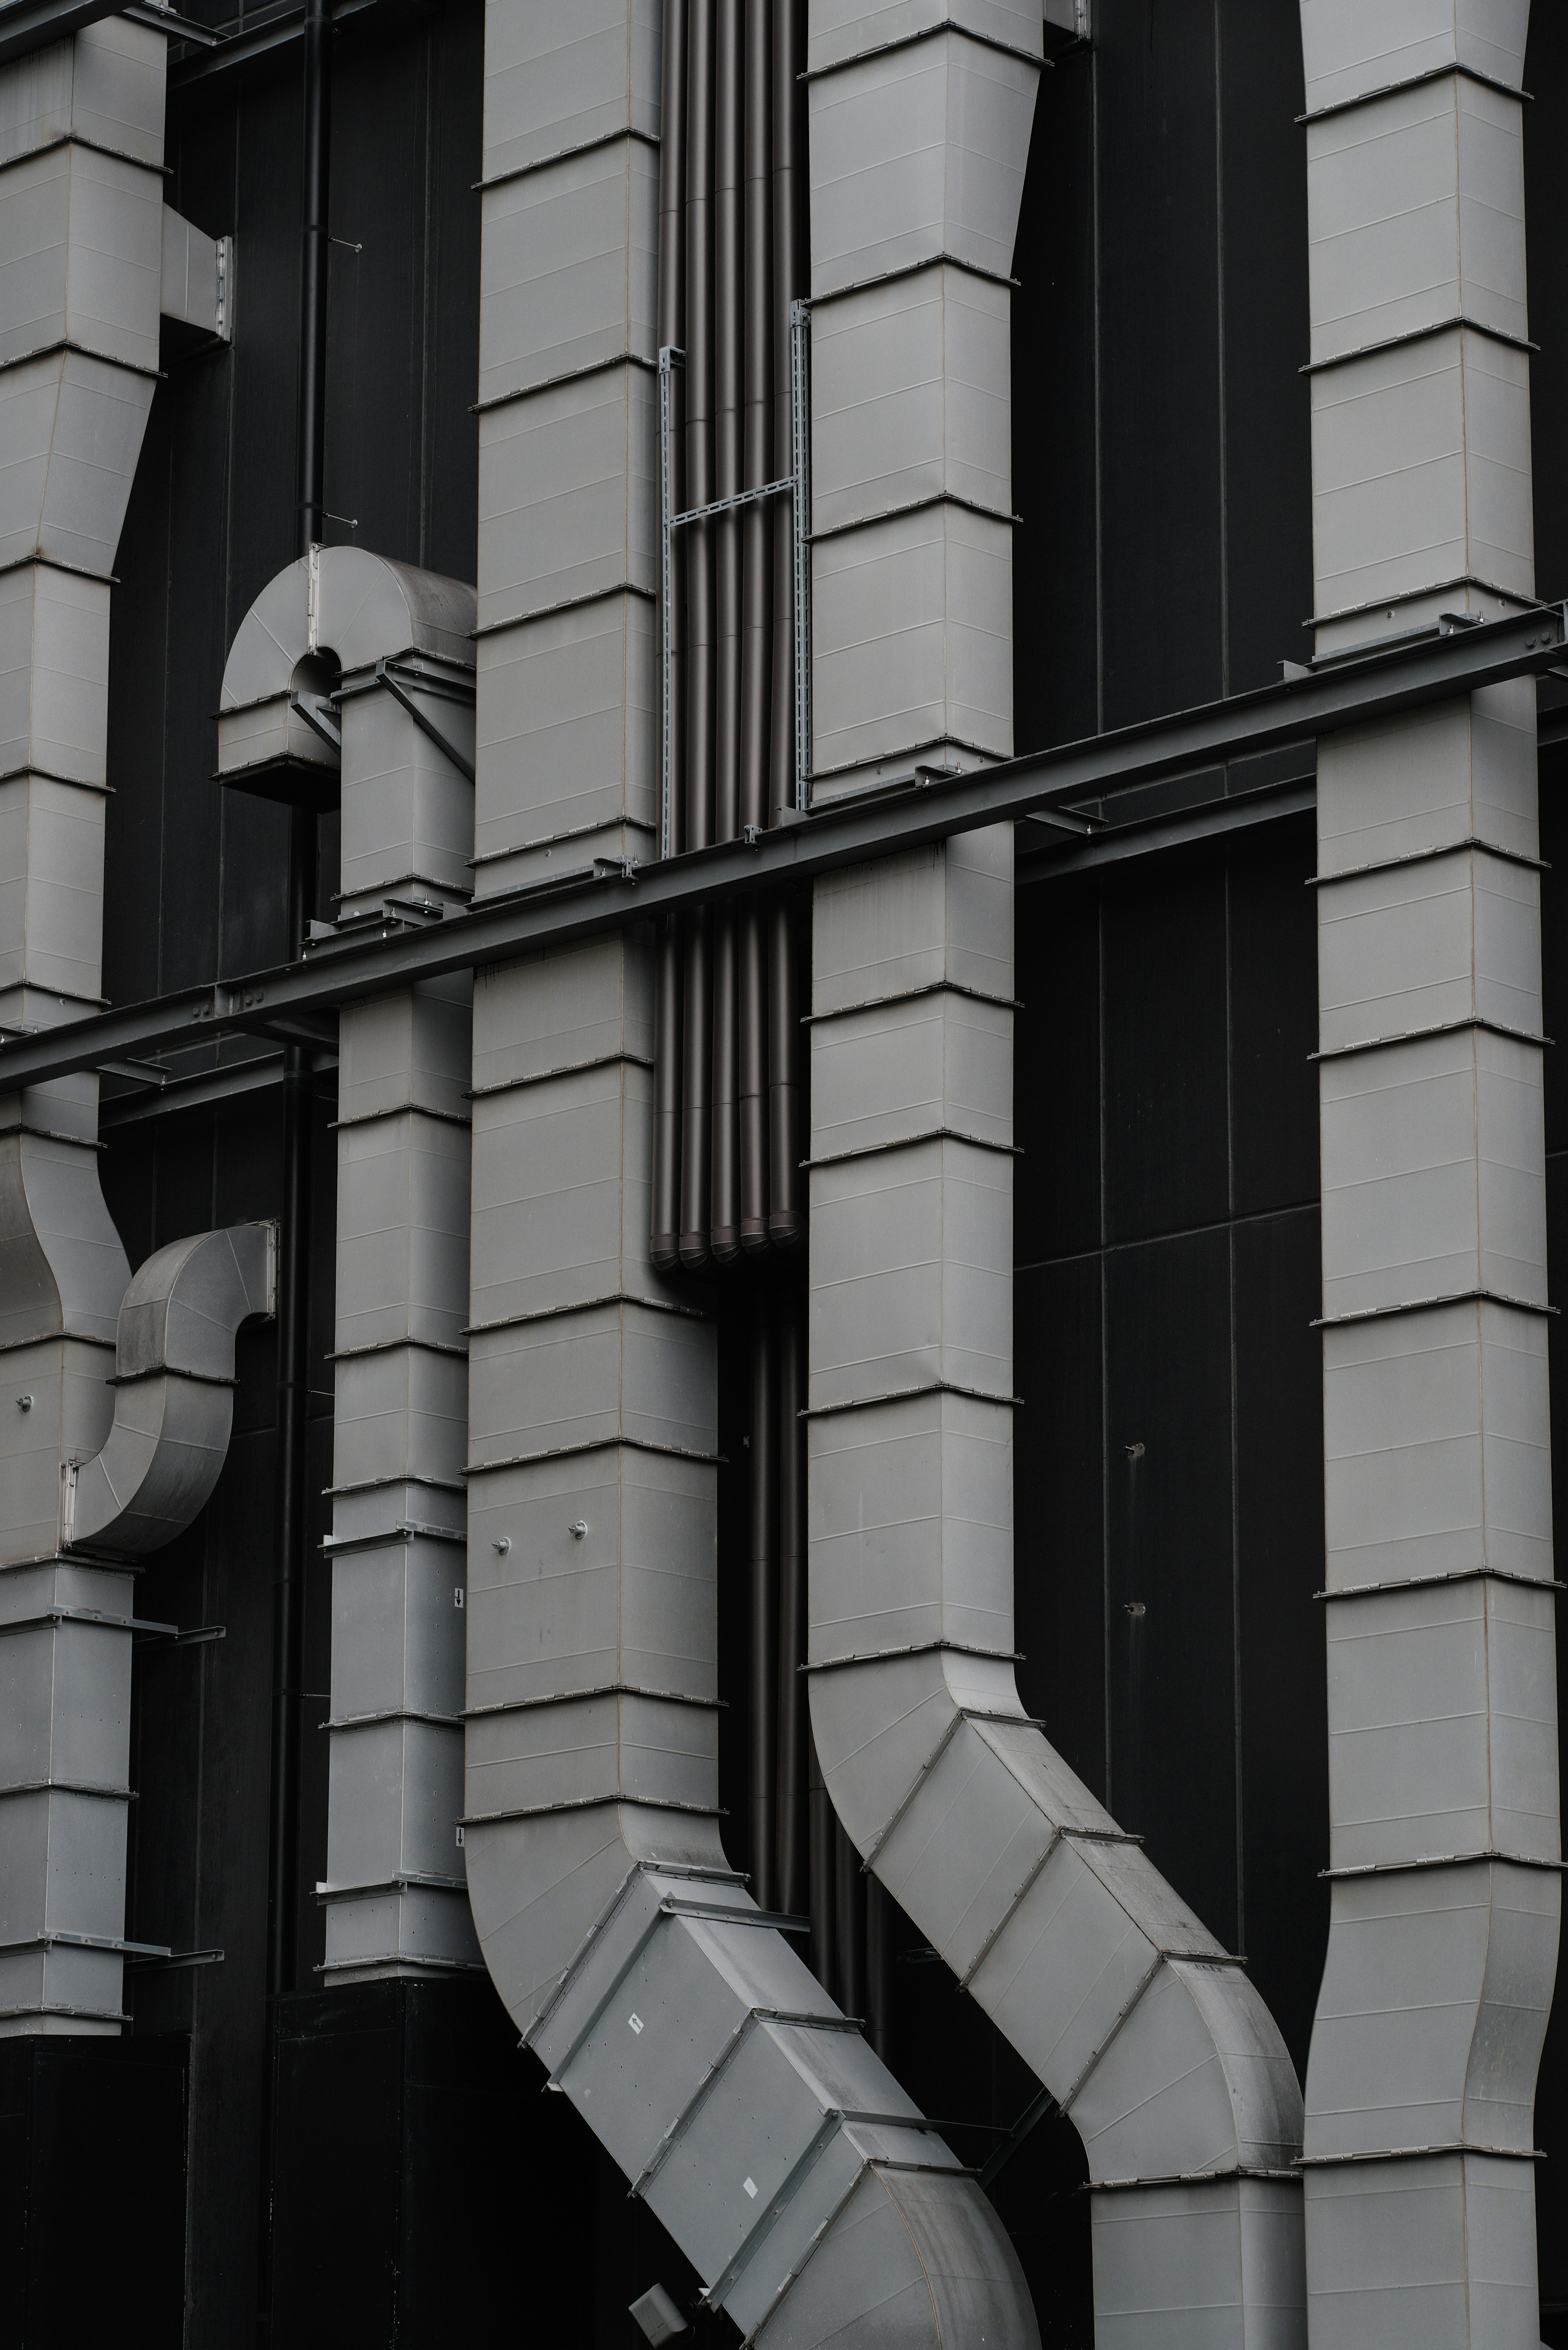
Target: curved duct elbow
(1142, 2026)
(173, 1407)
(750, 2116)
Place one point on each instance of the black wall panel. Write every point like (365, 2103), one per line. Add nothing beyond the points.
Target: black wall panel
(1167, 1079)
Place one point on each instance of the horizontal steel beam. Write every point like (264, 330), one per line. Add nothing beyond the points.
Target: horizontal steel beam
(1043, 858)
(855, 830)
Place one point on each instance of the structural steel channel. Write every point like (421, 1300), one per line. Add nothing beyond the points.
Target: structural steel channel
(1438, 666)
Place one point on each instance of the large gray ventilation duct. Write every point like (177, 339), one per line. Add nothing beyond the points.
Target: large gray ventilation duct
(354, 674)
(1148, 2035)
(1445, 1841)
(89, 258)
(756, 2121)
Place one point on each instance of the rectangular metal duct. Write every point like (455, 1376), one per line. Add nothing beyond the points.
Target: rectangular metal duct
(760, 2126)
(82, 196)
(1445, 1838)
(1147, 2034)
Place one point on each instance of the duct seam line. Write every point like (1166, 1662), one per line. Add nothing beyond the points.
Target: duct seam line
(909, 996)
(405, 1530)
(139, 1379)
(111, 1942)
(593, 1804)
(914, 506)
(1429, 856)
(1199, 2178)
(596, 1444)
(927, 33)
(1508, 596)
(616, 138)
(1454, 72)
(397, 1346)
(1432, 1306)
(93, 147)
(621, 823)
(588, 1305)
(599, 1688)
(384, 1484)
(405, 1960)
(962, 1714)
(1440, 1860)
(553, 382)
(1419, 2154)
(915, 1648)
(67, 346)
(89, 1616)
(76, 2014)
(51, 1134)
(1058, 1835)
(983, 754)
(392, 1713)
(912, 1142)
(943, 260)
(66, 782)
(1421, 1036)
(1418, 334)
(36, 562)
(1454, 1575)
(400, 1881)
(68, 1787)
(562, 1069)
(530, 612)
(905, 1395)
(400, 1109)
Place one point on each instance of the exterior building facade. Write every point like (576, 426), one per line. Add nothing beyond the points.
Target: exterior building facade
(779, 931)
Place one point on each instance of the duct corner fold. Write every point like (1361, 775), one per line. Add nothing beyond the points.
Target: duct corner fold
(174, 1392)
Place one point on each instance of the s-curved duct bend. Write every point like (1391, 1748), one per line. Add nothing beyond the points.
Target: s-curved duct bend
(174, 1390)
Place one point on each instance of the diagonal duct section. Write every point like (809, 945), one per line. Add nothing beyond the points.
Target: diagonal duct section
(749, 2113)
(1145, 2032)
(81, 198)
(1443, 1778)
(353, 676)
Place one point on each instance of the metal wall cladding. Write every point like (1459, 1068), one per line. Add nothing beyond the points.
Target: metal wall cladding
(570, 251)
(408, 812)
(1416, 205)
(570, 695)
(106, 85)
(1350, 56)
(54, 628)
(918, 151)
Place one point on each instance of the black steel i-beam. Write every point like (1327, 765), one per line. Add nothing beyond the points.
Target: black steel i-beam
(856, 830)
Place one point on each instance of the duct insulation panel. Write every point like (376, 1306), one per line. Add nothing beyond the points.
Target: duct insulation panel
(671, 2011)
(81, 200)
(1144, 2031)
(1445, 1837)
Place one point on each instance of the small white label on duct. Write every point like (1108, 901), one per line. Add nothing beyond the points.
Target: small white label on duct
(750, 2187)
(635, 2021)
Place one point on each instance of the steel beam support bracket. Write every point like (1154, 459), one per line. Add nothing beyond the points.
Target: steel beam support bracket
(1445, 665)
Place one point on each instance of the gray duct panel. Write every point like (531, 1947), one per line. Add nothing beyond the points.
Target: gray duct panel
(79, 233)
(1145, 2032)
(394, 1893)
(197, 279)
(173, 1403)
(1445, 1834)
(591, 1843)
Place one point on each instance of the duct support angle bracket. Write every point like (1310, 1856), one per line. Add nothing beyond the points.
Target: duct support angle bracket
(796, 486)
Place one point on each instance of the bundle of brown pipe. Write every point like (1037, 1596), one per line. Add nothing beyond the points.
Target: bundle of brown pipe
(731, 258)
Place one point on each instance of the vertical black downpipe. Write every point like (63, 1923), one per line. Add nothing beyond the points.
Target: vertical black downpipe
(666, 1235)
(793, 1878)
(823, 1835)
(756, 625)
(879, 1963)
(298, 1092)
(729, 258)
(697, 1023)
(791, 244)
(765, 1672)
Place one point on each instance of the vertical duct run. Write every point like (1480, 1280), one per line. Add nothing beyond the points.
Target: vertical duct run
(294, 1269)
(401, 641)
(1445, 1839)
(81, 200)
(748, 2113)
(1142, 2029)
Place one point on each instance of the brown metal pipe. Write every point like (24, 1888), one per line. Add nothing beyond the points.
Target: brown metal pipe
(848, 1923)
(697, 1009)
(756, 613)
(665, 1242)
(793, 1734)
(824, 1832)
(764, 1662)
(791, 246)
(729, 259)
